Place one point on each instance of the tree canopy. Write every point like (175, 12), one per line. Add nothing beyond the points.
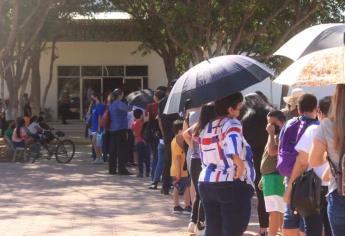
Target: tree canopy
(194, 30)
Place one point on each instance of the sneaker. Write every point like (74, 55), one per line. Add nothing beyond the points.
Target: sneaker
(178, 210)
(153, 185)
(125, 172)
(187, 210)
(98, 161)
(191, 228)
(201, 225)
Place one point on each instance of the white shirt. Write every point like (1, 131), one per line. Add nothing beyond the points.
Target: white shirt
(33, 127)
(304, 144)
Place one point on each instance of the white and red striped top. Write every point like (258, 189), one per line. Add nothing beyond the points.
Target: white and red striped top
(218, 142)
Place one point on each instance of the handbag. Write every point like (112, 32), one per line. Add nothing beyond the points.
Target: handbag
(306, 194)
(105, 119)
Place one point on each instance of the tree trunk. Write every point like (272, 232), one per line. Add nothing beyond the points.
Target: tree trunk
(170, 67)
(53, 57)
(36, 79)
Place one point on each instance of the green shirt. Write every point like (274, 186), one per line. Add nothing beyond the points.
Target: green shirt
(8, 133)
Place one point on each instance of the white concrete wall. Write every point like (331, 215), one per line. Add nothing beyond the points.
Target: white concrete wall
(98, 53)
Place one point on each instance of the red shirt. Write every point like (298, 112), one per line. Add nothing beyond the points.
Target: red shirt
(152, 109)
(137, 127)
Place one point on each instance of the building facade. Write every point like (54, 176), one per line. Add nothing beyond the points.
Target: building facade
(84, 67)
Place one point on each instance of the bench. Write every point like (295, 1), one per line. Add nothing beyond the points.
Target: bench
(19, 151)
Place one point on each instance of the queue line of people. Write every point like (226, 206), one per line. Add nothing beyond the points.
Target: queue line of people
(219, 156)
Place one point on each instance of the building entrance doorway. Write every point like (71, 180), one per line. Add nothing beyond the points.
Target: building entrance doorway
(77, 83)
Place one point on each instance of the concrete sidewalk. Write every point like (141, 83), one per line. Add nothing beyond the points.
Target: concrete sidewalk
(47, 198)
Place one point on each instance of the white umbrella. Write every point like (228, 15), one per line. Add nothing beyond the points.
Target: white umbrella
(320, 68)
(312, 39)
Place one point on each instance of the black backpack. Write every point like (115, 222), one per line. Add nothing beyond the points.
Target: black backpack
(306, 194)
(150, 131)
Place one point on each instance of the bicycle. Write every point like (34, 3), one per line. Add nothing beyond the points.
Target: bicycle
(53, 145)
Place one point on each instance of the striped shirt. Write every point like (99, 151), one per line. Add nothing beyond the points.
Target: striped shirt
(219, 141)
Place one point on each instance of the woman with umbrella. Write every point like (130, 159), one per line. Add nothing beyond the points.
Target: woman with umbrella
(227, 176)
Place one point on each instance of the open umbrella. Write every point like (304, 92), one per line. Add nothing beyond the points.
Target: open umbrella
(312, 39)
(320, 68)
(214, 79)
(140, 98)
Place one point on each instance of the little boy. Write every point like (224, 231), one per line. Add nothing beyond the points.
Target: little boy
(178, 171)
(141, 147)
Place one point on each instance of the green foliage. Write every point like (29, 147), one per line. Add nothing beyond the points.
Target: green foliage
(253, 27)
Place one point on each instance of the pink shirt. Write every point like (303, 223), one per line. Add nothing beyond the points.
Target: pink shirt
(23, 135)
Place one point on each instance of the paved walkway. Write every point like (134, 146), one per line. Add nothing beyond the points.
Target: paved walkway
(47, 198)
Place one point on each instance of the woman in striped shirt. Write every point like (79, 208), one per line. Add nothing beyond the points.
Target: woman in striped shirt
(227, 176)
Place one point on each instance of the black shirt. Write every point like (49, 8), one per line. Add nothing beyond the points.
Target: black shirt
(167, 121)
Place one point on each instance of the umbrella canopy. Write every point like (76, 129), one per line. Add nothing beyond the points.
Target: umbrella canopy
(214, 79)
(312, 39)
(140, 98)
(319, 68)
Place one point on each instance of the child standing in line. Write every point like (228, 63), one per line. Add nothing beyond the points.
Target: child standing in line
(141, 147)
(178, 171)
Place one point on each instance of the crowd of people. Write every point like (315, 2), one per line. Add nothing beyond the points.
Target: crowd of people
(219, 155)
(26, 130)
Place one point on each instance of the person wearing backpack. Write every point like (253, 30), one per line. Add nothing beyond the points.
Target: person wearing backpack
(289, 137)
(329, 138)
(314, 221)
(227, 175)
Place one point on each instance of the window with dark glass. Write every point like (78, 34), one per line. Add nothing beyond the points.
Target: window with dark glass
(68, 71)
(113, 70)
(136, 71)
(91, 70)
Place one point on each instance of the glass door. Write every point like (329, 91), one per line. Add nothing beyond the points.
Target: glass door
(89, 86)
(69, 97)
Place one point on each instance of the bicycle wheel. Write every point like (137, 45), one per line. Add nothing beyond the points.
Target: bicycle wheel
(65, 151)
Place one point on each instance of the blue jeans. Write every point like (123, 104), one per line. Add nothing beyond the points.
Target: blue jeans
(314, 225)
(154, 151)
(144, 157)
(160, 163)
(336, 213)
(227, 207)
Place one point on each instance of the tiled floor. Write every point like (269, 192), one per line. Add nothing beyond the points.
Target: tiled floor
(80, 198)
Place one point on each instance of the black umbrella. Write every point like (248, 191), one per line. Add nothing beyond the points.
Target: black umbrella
(213, 79)
(140, 98)
(313, 39)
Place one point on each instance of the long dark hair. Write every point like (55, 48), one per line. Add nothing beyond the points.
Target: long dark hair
(254, 121)
(207, 114)
(20, 122)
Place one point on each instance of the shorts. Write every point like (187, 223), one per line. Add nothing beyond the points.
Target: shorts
(273, 190)
(292, 220)
(98, 139)
(182, 184)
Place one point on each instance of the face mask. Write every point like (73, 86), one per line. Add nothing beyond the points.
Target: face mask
(276, 129)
